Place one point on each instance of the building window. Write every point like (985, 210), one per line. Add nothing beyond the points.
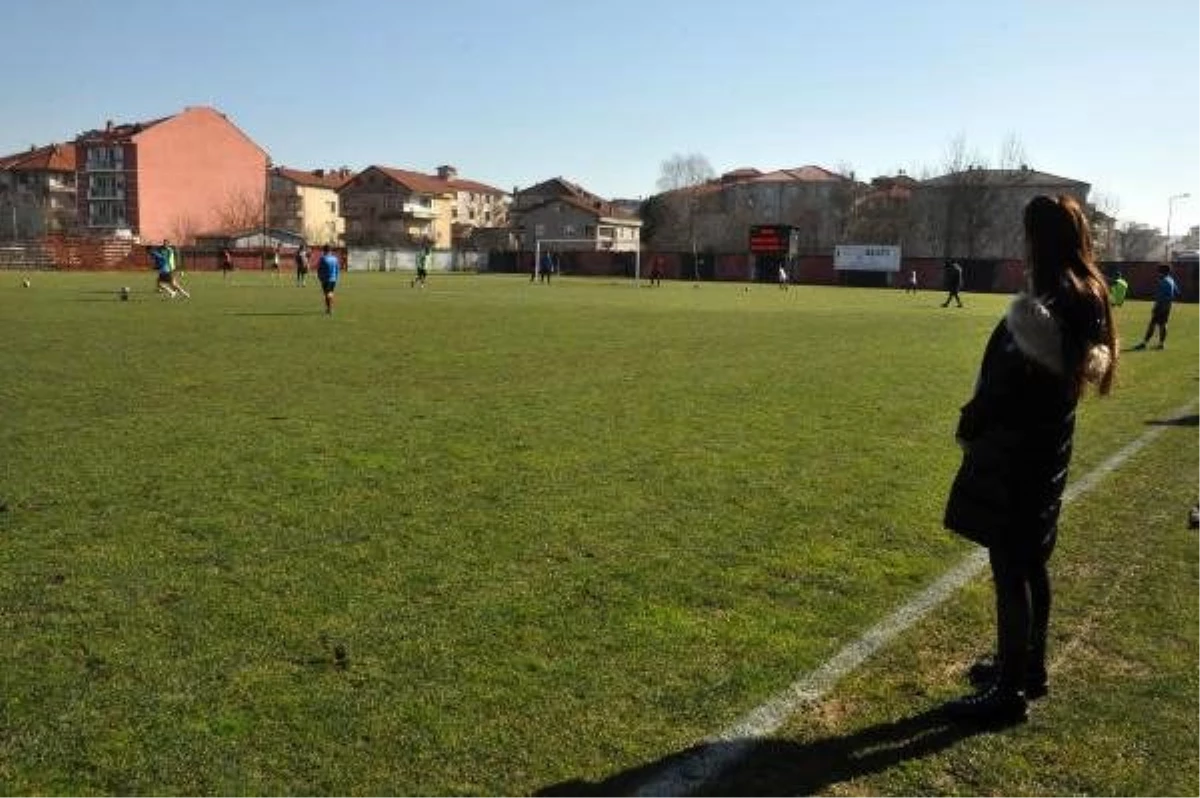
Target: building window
(106, 214)
(539, 230)
(107, 186)
(105, 158)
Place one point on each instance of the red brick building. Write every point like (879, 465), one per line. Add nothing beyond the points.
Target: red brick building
(168, 178)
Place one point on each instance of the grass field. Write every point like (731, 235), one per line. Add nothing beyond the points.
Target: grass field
(495, 537)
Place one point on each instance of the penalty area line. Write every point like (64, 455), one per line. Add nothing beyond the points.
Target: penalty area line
(724, 749)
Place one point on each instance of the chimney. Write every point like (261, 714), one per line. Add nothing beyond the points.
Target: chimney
(318, 172)
(447, 172)
(108, 126)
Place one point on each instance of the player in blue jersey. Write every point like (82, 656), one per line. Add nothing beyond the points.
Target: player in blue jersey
(1166, 292)
(162, 265)
(328, 271)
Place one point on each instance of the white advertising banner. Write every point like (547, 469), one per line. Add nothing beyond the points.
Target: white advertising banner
(867, 257)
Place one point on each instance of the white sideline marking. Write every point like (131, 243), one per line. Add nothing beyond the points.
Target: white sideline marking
(725, 748)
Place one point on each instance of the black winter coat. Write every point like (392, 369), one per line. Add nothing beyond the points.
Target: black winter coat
(1016, 434)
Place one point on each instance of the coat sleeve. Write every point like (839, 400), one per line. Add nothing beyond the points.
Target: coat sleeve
(994, 400)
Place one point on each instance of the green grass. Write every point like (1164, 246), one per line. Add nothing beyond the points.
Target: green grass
(491, 537)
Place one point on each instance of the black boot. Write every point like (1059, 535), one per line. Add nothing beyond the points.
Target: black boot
(995, 706)
(986, 672)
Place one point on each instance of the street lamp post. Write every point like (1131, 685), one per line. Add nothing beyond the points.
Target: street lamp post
(1170, 209)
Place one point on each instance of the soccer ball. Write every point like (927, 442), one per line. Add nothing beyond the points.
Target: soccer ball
(124, 293)
(26, 282)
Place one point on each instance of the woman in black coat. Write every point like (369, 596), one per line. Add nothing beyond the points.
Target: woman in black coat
(1016, 433)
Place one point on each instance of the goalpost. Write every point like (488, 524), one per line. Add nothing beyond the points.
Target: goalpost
(537, 254)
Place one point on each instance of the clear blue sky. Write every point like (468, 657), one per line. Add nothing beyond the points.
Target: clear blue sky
(602, 92)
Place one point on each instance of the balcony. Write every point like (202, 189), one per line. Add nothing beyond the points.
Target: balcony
(418, 211)
(104, 165)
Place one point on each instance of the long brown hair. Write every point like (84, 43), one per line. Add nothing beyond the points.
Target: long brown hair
(1063, 272)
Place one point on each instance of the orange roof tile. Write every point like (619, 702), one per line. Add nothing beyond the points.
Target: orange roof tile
(473, 185)
(803, 174)
(432, 184)
(50, 158)
(317, 178)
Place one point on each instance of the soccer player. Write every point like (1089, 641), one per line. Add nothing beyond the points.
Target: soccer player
(328, 270)
(173, 269)
(1119, 290)
(301, 265)
(422, 267)
(911, 288)
(954, 283)
(656, 271)
(162, 266)
(1166, 293)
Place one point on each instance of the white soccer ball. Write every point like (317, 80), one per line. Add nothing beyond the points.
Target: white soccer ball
(26, 282)
(124, 293)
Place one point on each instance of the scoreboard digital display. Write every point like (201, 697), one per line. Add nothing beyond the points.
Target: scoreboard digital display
(770, 239)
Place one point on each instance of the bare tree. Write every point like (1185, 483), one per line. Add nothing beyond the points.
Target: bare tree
(843, 199)
(883, 213)
(681, 171)
(970, 199)
(1012, 152)
(241, 211)
(1102, 219)
(184, 229)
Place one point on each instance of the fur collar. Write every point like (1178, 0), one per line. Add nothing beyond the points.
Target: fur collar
(1036, 332)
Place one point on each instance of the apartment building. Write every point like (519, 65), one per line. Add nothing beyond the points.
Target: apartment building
(717, 216)
(574, 218)
(306, 203)
(37, 192)
(397, 207)
(976, 213)
(168, 178)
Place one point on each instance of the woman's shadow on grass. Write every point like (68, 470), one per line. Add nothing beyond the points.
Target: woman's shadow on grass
(1179, 421)
(784, 767)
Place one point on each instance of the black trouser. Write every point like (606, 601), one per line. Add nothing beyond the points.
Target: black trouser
(1022, 584)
